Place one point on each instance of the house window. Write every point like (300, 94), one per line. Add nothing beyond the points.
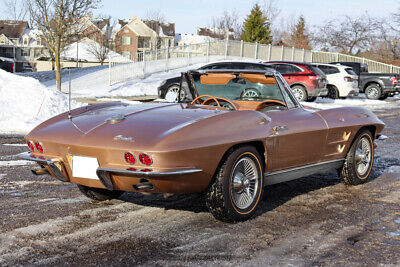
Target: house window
(26, 41)
(25, 52)
(126, 40)
(143, 42)
(2, 42)
(39, 41)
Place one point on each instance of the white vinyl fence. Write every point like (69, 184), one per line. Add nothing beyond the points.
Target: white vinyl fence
(160, 60)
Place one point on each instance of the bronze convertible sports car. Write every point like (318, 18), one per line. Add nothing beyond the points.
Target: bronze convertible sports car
(233, 133)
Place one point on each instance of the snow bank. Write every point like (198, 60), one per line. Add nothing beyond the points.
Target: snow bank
(326, 103)
(25, 102)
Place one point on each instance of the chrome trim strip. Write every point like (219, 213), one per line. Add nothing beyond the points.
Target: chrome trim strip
(151, 174)
(27, 156)
(302, 171)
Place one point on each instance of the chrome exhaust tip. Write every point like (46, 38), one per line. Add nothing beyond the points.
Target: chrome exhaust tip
(144, 184)
(40, 171)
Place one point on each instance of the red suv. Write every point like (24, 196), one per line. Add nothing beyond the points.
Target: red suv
(307, 81)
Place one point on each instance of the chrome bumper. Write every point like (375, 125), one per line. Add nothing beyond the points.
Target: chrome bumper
(55, 166)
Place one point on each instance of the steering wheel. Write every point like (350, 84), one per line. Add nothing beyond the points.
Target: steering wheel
(223, 103)
(269, 103)
(250, 93)
(197, 100)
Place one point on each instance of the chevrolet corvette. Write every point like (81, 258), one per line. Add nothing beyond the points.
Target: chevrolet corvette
(233, 133)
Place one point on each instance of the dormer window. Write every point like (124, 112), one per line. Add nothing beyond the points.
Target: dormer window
(26, 40)
(39, 41)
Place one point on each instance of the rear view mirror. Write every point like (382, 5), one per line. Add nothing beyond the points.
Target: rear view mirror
(171, 97)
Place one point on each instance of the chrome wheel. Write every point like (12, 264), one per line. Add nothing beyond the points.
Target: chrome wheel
(363, 156)
(298, 93)
(373, 93)
(244, 184)
(175, 89)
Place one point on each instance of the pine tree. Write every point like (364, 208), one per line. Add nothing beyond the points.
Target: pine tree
(299, 37)
(256, 27)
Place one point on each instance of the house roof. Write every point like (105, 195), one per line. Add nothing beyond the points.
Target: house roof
(12, 29)
(162, 29)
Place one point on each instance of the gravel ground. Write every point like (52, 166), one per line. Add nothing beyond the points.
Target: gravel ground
(312, 221)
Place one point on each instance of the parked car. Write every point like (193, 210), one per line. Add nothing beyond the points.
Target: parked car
(342, 80)
(172, 84)
(6, 65)
(232, 134)
(374, 85)
(307, 81)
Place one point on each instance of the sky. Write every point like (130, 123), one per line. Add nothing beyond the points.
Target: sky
(190, 14)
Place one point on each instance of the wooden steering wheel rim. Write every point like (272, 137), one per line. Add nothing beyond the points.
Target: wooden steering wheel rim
(209, 97)
(263, 104)
(221, 99)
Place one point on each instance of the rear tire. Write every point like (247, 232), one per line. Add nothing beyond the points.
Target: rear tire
(98, 193)
(359, 160)
(333, 92)
(237, 187)
(300, 92)
(373, 91)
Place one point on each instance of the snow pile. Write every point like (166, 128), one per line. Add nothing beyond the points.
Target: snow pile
(25, 102)
(87, 50)
(327, 103)
(187, 39)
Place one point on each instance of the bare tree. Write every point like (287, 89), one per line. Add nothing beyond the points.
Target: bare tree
(270, 10)
(156, 15)
(102, 47)
(227, 22)
(349, 35)
(15, 9)
(59, 21)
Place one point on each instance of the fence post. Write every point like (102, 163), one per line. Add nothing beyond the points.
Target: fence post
(166, 58)
(269, 52)
(226, 48)
(256, 51)
(292, 53)
(363, 60)
(188, 58)
(109, 71)
(391, 68)
(304, 55)
(208, 51)
(144, 64)
(283, 51)
(312, 56)
(337, 56)
(241, 48)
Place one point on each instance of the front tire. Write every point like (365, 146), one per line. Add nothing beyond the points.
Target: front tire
(237, 187)
(175, 89)
(373, 92)
(359, 160)
(98, 193)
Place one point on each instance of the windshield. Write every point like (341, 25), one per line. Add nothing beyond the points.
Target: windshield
(246, 87)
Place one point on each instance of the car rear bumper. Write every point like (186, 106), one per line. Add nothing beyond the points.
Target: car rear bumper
(114, 178)
(318, 92)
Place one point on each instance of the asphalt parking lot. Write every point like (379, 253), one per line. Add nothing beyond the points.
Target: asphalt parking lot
(312, 221)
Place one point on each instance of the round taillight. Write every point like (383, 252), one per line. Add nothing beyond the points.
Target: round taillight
(30, 145)
(39, 147)
(131, 169)
(145, 170)
(130, 158)
(145, 159)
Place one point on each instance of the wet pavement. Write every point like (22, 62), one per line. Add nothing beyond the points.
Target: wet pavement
(312, 221)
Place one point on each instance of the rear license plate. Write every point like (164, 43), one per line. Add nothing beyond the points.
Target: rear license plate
(84, 167)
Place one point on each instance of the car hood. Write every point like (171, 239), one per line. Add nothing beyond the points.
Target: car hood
(122, 125)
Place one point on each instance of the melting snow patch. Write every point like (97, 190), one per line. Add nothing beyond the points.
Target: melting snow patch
(15, 163)
(394, 169)
(326, 103)
(14, 144)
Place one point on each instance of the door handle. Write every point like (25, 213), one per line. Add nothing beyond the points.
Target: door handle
(279, 128)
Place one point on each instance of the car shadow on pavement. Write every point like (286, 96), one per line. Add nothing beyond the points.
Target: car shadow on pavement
(273, 197)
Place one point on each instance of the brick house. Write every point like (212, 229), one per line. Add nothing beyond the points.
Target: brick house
(131, 37)
(20, 43)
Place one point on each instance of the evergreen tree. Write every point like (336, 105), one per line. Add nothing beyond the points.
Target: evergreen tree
(256, 27)
(299, 37)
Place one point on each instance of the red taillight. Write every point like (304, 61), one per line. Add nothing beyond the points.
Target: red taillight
(131, 169)
(39, 147)
(130, 158)
(394, 80)
(348, 79)
(145, 159)
(145, 170)
(30, 145)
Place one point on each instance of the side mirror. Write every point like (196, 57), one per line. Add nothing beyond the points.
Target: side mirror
(171, 97)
